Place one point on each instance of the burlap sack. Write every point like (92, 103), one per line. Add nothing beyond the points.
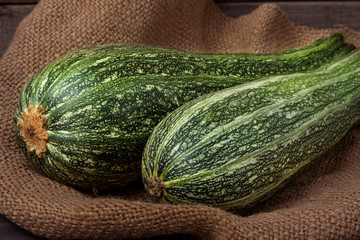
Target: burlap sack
(323, 203)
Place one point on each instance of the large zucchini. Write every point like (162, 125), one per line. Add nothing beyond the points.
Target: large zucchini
(236, 147)
(85, 118)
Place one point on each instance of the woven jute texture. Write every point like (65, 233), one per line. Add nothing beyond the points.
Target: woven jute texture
(322, 203)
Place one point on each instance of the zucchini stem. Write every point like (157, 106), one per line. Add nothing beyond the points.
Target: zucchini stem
(32, 130)
(156, 187)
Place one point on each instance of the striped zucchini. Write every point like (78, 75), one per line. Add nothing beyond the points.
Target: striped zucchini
(234, 148)
(84, 119)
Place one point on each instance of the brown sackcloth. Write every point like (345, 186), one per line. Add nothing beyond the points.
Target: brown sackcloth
(322, 203)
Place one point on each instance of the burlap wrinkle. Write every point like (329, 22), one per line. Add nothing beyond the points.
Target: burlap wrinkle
(322, 203)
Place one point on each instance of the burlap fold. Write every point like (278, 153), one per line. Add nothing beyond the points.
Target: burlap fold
(322, 203)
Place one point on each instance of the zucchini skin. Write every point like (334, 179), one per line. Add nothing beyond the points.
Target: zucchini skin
(234, 148)
(101, 103)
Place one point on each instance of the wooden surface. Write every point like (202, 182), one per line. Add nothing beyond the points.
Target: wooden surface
(320, 14)
(10, 17)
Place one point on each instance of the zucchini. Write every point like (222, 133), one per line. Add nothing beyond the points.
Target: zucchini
(84, 119)
(234, 148)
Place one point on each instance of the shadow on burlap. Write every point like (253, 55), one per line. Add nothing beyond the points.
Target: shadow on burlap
(322, 203)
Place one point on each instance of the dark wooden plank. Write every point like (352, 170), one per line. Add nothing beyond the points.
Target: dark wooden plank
(10, 231)
(7, 2)
(10, 17)
(316, 14)
(274, 1)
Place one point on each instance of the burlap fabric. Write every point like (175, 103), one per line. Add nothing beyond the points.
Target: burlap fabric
(322, 203)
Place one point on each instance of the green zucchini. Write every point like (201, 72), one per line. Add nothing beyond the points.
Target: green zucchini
(234, 148)
(84, 119)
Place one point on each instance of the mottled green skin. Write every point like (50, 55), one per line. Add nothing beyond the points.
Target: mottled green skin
(234, 148)
(102, 102)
